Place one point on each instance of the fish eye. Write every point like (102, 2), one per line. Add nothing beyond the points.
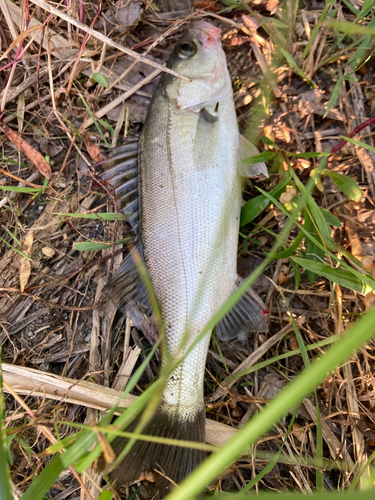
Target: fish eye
(187, 49)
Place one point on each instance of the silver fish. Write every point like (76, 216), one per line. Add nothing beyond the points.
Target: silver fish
(186, 219)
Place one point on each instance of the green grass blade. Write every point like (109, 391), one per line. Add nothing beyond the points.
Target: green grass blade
(5, 481)
(111, 216)
(20, 189)
(359, 143)
(361, 277)
(92, 246)
(15, 249)
(324, 495)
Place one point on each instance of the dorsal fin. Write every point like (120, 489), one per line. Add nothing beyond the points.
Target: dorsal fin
(120, 171)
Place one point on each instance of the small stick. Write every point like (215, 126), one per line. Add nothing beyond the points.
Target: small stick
(8, 174)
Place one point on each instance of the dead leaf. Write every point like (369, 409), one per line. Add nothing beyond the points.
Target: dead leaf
(354, 239)
(92, 149)
(33, 155)
(108, 453)
(207, 5)
(25, 264)
(250, 22)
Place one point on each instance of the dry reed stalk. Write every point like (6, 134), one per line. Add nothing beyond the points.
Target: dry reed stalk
(31, 382)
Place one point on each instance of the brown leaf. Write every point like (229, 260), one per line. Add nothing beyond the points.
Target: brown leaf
(250, 22)
(92, 149)
(25, 264)
(108, 453)
(354, 239)
(33, 155)
(207, 4)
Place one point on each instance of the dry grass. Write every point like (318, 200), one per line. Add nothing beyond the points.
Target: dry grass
(54, 316)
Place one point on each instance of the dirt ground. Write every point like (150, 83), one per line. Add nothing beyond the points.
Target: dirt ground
(54, 316)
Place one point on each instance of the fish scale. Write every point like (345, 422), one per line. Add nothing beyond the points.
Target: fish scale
(189, 187)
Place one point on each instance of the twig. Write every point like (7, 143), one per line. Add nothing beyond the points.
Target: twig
(8, 174)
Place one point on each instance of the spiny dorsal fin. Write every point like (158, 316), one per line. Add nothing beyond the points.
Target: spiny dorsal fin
(120, 171)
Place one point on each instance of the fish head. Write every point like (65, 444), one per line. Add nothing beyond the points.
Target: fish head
(199, 56)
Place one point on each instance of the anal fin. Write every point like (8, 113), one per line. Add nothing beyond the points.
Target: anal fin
(248, 315)
(128, 293)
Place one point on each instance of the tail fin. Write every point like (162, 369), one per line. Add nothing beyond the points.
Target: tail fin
(170, 464)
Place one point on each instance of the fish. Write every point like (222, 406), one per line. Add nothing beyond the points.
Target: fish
(181, 185)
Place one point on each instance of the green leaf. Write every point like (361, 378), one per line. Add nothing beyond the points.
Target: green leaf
(43, 482)
(330, 218)
(290, 251)
(362, 53)
(334, 95)
(106, 495)
(95, 122)
(350, 28)
(294, 67)
(268, 142)
(5, 480)
(276, 22)
(255, 206)
(346, 184)
(101, 79)
(92, 246)
(339, 276)
(359, 143)
(297, 274)
(313, 252)
(267, 155)
(320, 225)
(316, 226)
(107, 126)
(20, 189)
(312, 154)
(100, 216)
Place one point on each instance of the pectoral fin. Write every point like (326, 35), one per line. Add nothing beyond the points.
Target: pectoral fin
(246, 150)
(248, 315)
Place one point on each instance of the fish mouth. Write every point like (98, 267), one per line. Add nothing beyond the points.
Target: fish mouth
(209, 35)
